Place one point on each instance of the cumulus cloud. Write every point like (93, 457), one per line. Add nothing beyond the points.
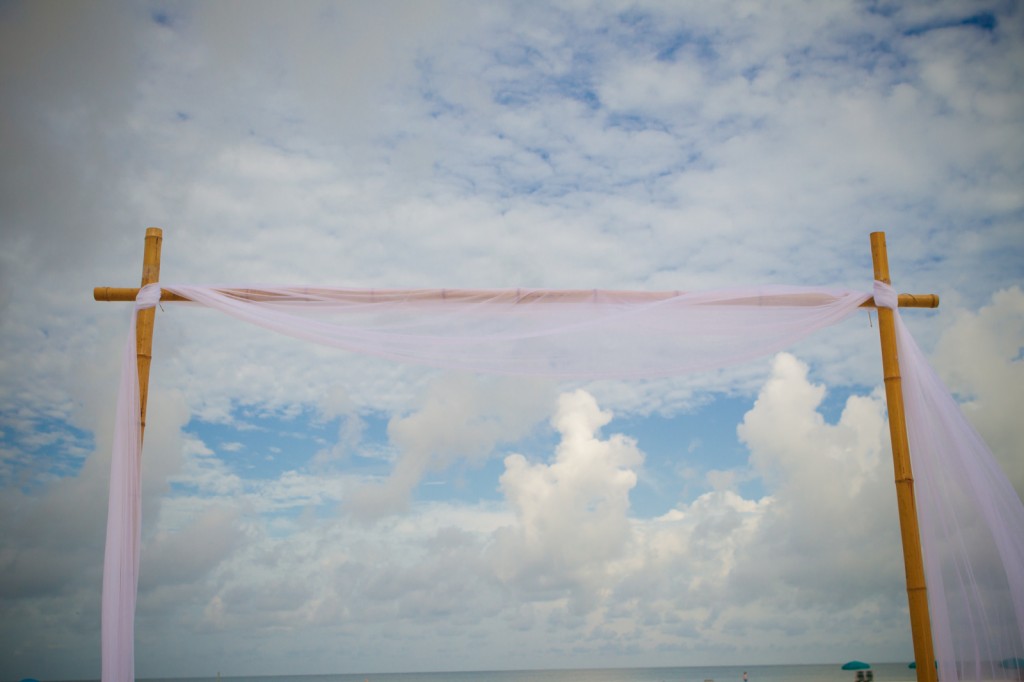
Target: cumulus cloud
(562, 562)
(817, 552)
(833, 522)
(459, 418)
(980, 358)
(572, 515)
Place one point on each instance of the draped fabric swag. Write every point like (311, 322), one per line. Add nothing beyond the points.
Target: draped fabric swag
(971, 518)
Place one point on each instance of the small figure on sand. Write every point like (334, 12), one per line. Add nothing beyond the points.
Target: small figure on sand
(744, 676)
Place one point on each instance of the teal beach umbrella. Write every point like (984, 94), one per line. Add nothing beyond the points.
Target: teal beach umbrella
(856, 665)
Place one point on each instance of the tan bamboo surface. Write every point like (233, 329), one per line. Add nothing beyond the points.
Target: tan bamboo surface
(144, 321)
(313, 294)
(917, 594)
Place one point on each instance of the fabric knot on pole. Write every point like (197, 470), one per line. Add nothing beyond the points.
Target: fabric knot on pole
(885, 296)
(148, 296)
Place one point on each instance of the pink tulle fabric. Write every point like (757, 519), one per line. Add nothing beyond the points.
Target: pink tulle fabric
(972, 519)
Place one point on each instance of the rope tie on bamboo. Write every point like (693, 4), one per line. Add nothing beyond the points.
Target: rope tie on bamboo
(886, 296)
(148, 296)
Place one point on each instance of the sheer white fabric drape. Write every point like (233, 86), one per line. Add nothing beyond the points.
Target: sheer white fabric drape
(972, 531)
(601, 334)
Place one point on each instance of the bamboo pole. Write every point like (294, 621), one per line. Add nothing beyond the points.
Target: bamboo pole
(144, 321)
(917, 594)
(475, 295)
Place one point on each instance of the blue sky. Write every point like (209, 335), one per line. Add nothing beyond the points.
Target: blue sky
(306, 511)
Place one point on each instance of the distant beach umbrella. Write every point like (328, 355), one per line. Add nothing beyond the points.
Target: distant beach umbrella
(856, 665)
(1012, 663)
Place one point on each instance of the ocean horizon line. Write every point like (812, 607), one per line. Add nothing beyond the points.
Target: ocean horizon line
(891, 671)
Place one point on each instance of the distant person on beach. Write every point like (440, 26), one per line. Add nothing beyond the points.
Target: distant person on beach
(744, 676)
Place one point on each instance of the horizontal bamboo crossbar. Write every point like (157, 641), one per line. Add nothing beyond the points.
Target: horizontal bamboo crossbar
(502, 295)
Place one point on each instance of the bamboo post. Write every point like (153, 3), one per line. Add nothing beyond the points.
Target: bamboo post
(917, 595)
(144, 321)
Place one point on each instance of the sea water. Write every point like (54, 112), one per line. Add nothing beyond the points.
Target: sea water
(886, 672)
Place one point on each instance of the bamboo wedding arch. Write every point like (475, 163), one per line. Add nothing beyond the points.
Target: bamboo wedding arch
(118, 662)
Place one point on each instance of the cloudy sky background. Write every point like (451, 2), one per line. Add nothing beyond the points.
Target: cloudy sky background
(307, 511)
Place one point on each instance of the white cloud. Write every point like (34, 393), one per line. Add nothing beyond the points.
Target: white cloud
(185, 555)
(459, 418)
(980, 358)
(561, 562)
(571, 515)
(834, 519)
